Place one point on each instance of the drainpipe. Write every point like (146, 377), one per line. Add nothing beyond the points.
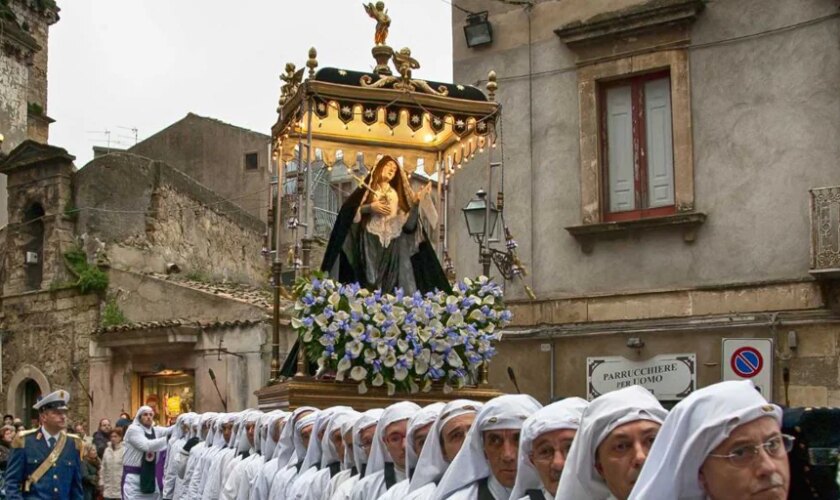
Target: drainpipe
(553, 365)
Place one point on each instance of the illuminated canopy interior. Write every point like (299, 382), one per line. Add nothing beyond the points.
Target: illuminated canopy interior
(363, 113)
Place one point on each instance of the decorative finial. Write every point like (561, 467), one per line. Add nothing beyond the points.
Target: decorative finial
(383, 21)
(291, 81)
(312, 63)
(491, 85)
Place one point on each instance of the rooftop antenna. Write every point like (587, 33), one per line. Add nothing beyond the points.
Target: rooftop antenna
(133, 131)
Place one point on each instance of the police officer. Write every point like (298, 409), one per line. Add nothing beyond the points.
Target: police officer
(46, 462)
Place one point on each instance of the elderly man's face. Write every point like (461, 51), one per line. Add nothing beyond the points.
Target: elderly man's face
(622, 454)
(746, 475)
(227, 430)
(366, 439)
(454, 433)
(500, 448)
(146, 419)
(249, 432)
(338, 443)
(548, 456)
(305, 434)
(418, 438)
(394, 440)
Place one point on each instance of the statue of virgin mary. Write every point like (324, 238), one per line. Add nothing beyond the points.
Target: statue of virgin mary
(381, 235)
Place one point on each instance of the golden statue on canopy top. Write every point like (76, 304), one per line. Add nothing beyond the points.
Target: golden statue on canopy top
(383, 21)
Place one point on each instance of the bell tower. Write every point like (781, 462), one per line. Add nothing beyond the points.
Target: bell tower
(39, 192)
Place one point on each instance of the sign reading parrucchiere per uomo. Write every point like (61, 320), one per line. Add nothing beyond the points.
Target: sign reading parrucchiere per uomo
(667, 376)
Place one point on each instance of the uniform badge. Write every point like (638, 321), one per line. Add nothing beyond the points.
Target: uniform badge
(150, 456)
(38, 436)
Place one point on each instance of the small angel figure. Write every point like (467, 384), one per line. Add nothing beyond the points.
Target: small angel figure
(404, 63)
(291, 80)
(383, 22)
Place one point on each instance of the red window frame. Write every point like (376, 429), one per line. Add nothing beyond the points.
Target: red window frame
(640, 167)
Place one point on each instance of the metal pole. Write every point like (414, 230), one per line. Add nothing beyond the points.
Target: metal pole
(307, 242)
(485, 246)
(276, 268)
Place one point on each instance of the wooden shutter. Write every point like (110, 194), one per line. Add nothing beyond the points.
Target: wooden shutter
(622, 192)
(660, 147)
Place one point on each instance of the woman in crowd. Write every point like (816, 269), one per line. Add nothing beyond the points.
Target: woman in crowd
(112, 465)
(90, 472)
(7, 433)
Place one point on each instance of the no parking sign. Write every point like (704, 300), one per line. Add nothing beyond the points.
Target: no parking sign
(749, 359)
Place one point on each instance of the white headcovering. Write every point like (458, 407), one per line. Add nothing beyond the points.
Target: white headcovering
(269, 444)
(565, 414)
(140, 411)
(695, 427)
(219, 437)
(378, 453)
(300, 424)
(285, 449)
(470, 465)
(338, 422)
(431, 464)
(314, 450)
(250, 417)
(580, 480)
(424, 417)
(368, 419)
(177, 433)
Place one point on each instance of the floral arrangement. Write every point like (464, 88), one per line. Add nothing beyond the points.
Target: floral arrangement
(403, 342)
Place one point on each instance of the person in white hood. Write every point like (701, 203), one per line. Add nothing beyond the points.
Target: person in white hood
(545, 441)
(363, 432)
(177, 439)
(314, 484)
(485, 467)
(348, 463)
(722, 442)
(220, 453)
(282, 433)
(314, 452)
(386, 462)
(301, 435)
(419, 427)
(444, 441)
(141, 468)
(245, 446)
(610, 448)
(193, 471)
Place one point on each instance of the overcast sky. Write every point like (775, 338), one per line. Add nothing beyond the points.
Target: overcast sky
(121, 64)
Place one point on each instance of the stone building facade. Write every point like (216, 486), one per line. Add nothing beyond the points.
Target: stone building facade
(24, 36)
(229, 160)
(658, 157)
(185, 292)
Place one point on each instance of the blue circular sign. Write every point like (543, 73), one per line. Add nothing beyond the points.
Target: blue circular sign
(747, 362)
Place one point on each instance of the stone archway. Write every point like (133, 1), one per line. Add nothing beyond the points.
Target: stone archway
(21, 387)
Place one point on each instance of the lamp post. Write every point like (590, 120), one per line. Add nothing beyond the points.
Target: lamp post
(481, 216)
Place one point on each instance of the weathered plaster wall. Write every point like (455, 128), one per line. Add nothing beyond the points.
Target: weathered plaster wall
(239, 372)
(13, 90)
(145, 214)
(213, 153)
(50, 331)
(765, 113)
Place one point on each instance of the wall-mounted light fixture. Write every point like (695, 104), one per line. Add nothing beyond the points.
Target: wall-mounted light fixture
(478, 30)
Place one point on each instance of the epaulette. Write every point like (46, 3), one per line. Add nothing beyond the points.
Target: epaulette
(20, 438)
(80, 443)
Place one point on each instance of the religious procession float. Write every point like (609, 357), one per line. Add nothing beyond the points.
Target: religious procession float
(379, 317)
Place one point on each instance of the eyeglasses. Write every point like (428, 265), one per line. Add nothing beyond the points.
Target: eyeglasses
(746, 455)
(547, 453)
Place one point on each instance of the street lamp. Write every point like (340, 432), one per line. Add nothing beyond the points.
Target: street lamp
(481, 216)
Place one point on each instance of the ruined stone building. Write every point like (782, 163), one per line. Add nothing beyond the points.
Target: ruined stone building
(670, 175)
(127, 282)
(24, 35)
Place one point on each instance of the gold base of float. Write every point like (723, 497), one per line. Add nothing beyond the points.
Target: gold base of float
(296, 392)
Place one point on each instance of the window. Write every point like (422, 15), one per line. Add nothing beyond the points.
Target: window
(637, 147)
(251, 161)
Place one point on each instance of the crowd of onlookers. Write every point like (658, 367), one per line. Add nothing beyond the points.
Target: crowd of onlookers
(103, 454)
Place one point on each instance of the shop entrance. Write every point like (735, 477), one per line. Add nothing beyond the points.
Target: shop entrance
(169, 392)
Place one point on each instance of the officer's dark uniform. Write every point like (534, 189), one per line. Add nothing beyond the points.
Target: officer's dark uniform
(29, 450)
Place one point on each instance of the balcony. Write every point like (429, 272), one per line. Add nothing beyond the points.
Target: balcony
(825, 232)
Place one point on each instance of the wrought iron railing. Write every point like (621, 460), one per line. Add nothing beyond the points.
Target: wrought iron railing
(825, 231)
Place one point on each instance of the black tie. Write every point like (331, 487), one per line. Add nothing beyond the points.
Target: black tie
(52, 442)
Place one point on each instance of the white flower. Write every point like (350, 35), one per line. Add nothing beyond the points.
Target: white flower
(355, 348)
(457, 319)
(334, 299)
(379, 318)
(362, 388)
(358, 373)
(389, 359)
(370, 355)
(427, 385)
(341, 316)
(391, 388)
(296, 323)
(382, 348)
(468, 282)
(447, 389)
(343, 366)
(378, 380)
(424, 334)
(454, 360)
(321, 320)
(357, 330)
(413, 386)
(482, 280)
(402, 345)
(477, 315)
(489, 300)
(307, 337)
(400, 374)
